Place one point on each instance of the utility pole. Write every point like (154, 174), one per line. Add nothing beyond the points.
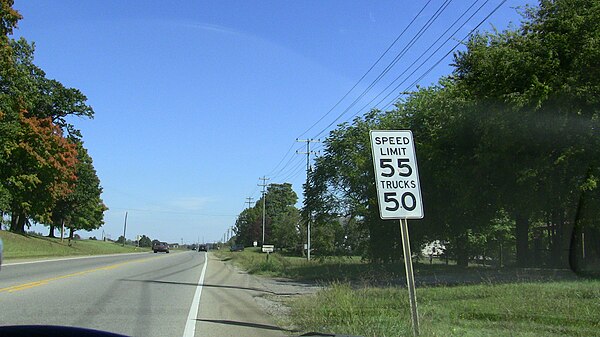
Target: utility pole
(249, 201)
(264, 185)
(124, 229)
(307, 153)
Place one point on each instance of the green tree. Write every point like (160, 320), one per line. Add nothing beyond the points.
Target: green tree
(285, 231)
(281, 220)
(83, 208)
(282, 217)
(37, 163)
(248, 226)
(513, 129)
(536, 88)
(145, 241)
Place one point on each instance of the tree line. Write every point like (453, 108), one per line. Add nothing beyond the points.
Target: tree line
(283, 227)
(46, 174)
(508, 149)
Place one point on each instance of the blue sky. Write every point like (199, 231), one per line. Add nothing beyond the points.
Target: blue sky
(195, 100)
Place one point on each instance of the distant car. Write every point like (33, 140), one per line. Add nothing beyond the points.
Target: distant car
(202, 248)
(236, 248)
(161, 247)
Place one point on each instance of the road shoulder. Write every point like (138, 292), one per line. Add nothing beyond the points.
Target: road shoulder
(273, 294)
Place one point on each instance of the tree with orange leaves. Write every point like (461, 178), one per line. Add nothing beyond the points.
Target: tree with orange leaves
(38, 164)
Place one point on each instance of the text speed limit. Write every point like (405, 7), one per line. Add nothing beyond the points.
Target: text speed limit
(396, 174)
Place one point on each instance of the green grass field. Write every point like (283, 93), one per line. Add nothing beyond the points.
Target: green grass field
(353, 269)
(501, 303)
(255, 262)
(18, 246)
(569, 308)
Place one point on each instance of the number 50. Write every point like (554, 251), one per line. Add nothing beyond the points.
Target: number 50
(391, 197)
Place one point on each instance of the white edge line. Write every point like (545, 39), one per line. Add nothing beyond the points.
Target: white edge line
(190, 324)
(70, 258)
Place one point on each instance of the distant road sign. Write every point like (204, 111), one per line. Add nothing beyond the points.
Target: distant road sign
(268, 248)
(396, 174)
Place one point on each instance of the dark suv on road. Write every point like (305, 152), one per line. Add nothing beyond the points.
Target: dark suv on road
(160, 247)
(202, 248)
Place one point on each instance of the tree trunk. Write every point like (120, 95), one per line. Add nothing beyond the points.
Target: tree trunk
(559, 246)
(17, 222)
(567, 229)
(71, 232)
(462, 250)
(52, 229)
(522, 237)
(578, 244)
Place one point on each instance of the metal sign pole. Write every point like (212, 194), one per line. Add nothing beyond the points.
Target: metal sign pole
(399, 193)
(410, 278)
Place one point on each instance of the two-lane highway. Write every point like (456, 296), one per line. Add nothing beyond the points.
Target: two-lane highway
(136, 294)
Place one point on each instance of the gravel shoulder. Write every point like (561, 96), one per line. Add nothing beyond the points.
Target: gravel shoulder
(276, 293)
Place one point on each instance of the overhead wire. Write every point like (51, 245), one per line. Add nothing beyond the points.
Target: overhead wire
(296, 168)
(297, 163)
(448, 53)
(294, 159)
(282, 159)
(444, 5)
(422, 55)
(294, 173)
(399, 56)
(368, 71)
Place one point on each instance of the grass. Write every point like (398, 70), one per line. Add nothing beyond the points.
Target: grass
(354, 269)
(569, 308)
(278, 265)
(371, 300)
(32, 246)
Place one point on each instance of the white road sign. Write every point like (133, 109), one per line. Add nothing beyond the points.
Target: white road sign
(396, 174)
(268, 248)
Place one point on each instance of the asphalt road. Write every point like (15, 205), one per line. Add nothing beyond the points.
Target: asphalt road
(177, 294)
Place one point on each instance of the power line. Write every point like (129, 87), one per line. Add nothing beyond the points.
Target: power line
(281, 171)
(368, 71)
(170, 212)
(293, 173)
(420, 33)
(448, 53)
(293, 169)
(283, 158)
(423, 54)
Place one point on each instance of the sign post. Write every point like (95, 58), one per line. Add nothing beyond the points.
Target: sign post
(268, 249)
(399, 193)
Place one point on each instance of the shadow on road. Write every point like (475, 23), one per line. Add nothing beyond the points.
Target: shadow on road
(213, 286)
(246, 324)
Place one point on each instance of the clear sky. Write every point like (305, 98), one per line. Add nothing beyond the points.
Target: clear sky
(195, 100)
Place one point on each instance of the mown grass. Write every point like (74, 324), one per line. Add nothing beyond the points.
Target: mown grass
(332, 269)
(354, 269)
(569, 308)
(18, 246)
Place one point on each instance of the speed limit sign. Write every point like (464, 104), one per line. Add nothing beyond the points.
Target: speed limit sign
(399, 193)
(396, 174)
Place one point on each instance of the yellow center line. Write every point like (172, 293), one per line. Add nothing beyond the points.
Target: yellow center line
(33, 284)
